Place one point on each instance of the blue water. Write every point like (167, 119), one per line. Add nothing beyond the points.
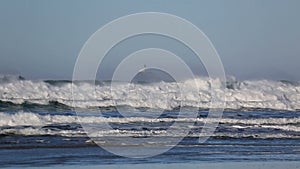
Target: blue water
(257, 135)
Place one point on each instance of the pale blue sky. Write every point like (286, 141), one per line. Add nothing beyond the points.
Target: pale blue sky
(255, 38)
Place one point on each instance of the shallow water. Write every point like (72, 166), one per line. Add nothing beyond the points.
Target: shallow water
(46, 138)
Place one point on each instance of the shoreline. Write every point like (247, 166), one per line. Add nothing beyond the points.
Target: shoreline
(205, 165)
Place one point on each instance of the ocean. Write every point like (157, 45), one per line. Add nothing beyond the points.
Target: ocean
(42, 124)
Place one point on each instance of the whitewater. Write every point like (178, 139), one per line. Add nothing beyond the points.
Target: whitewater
(248, 94)
(44, 121)
(28, 123)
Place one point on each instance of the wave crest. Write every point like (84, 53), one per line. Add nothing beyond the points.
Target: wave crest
(261, 94)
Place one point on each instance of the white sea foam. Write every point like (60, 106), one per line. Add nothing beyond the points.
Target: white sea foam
(36, 124)
(34, 119)
(32, 131)
(263, 94)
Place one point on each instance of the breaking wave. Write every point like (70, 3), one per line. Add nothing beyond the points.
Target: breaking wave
(28, 123)
(260, 94)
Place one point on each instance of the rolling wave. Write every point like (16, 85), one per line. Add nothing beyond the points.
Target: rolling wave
(34, 119)
(261, 94)
(29, 124)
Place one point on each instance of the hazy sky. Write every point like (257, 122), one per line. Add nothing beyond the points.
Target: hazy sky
(255, 38)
